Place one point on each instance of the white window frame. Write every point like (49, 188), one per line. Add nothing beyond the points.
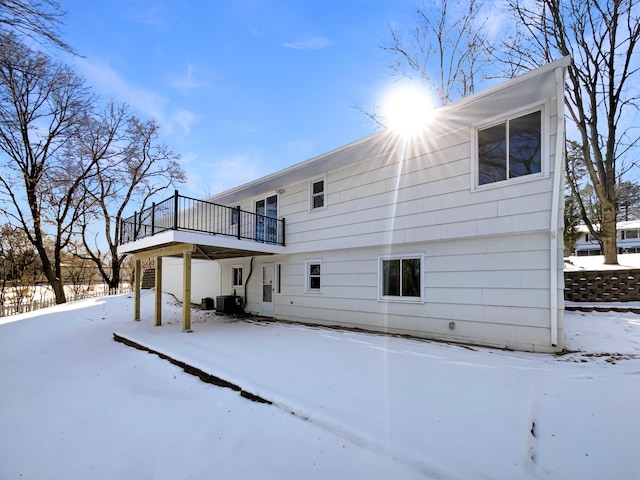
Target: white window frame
(307, 275)
(323, 179)
(403, 256)
(234, 268)
(544, 147)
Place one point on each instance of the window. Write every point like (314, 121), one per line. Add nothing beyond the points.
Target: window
(628, 234)
(235, 215)
(236, 276)
(401, 278)
(317, 193)
(510, 149)
(313, 279)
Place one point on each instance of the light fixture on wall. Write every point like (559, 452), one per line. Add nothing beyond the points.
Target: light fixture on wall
(280, 191)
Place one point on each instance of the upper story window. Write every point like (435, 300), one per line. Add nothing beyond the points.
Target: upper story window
(235, 215)
(510, 149)
(317, 189)
(629, 234)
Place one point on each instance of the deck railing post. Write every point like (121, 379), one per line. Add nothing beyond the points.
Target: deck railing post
(175, 210)
(135, 225)
(153, 219)
(238, 209)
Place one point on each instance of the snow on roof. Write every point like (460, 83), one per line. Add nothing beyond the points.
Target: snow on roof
(626, 225)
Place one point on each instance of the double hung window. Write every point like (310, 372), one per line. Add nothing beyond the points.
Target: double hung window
(313, 276)
(317, 193)
(236, 276)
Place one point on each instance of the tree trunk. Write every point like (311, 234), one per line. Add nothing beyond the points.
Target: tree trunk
(114, 281)
(58, 290)
(56, 283)
(608, 236)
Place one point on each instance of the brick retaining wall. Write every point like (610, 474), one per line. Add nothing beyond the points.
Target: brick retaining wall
(602, 286)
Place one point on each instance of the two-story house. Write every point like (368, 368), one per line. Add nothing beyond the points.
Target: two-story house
(454, 233)
(627, 239)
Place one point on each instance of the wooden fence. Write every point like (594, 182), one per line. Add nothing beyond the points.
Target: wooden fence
(602, 285)
(15, 309)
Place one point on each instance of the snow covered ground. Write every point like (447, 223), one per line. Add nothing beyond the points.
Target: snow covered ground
(596, 262)
(75, 404)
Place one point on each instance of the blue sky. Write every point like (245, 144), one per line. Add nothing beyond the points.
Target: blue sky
(240, 88)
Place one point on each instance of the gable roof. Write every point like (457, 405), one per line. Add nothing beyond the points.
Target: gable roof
(527, 89)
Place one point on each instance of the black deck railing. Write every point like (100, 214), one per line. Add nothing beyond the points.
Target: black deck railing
(184, 213)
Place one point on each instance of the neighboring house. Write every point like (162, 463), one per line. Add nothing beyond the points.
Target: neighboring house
(627, 239)
(452, 234)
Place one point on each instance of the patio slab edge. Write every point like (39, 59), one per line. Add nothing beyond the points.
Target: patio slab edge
(190, 369)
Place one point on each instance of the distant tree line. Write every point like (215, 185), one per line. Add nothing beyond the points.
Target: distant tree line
(71, 166)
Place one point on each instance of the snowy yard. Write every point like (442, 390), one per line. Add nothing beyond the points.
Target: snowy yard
(345, 405)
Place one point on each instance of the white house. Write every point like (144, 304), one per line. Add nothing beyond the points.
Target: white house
(627, 239)
(454, 233)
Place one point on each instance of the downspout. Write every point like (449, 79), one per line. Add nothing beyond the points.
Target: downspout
(555, 205)
(246, 283)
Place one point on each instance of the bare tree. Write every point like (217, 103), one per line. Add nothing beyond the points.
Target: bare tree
(38, 20)
(574, 200)
(628, 200)
(601, 36)
(132, 167)
(446, 50)
(43, 106)
(19, 266)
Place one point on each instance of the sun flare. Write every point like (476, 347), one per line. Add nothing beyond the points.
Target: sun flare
(407, 108)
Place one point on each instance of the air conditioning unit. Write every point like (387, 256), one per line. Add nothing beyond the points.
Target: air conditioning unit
(207, 303)
(228, 304)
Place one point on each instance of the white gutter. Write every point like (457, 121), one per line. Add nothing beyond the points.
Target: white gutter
(555, 204)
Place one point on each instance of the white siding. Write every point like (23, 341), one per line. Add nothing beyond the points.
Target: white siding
(205, 278)
(487, 250)
(404, 200)
(487, 293)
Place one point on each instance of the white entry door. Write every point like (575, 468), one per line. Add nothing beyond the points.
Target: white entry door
(267, 305)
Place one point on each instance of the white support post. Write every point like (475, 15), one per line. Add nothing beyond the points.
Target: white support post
(158, 292)
(136, 295)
